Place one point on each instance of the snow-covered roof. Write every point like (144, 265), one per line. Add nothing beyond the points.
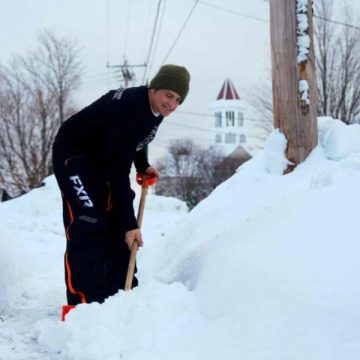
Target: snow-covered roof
(228, 91)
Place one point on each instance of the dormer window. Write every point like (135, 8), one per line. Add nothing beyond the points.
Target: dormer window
(230, 118)
(218, 138)
(230, 138)
(240, 119)
(218, 119)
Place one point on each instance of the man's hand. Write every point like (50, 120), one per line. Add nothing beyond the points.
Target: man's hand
(152, 171)
(133, 235)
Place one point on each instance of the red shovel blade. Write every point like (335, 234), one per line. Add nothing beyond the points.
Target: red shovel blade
(65, 310)
(146, 179)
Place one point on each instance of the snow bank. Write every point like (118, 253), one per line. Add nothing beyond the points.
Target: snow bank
(15, 270)
(289, 273)
(35, 212)
(265, 268)
(30, 221)
(273, 259)
(33, 224)
(339, 140)
(146, 323)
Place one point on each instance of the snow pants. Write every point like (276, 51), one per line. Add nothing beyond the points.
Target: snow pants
(96, 257)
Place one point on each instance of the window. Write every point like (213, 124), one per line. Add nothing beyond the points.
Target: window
(230, 138)
(242, 138)
(218, 119)
(218, 138)
(230, 118)
(240, 118)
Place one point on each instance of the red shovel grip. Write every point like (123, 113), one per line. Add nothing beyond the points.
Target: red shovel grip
(146, 179)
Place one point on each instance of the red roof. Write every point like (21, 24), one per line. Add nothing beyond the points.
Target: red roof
(228, 91)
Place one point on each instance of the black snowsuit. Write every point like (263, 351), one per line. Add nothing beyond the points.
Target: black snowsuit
(92, 157)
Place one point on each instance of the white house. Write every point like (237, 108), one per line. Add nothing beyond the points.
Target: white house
(229, 127)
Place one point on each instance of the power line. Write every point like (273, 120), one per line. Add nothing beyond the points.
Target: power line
(100, 76)
(188, 126)
(233, 12)
(337, 22)
(224, 132)
(127, 21)
(113, 83)
(151, 41)
(206, 114)
(181, 31)
(107, 39)
(205, 3)
(164, 143)
(193, 113)
(157, 38)
(107, 31)
(266, 21)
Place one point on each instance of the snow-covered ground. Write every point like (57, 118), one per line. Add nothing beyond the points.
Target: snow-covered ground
(265, 268)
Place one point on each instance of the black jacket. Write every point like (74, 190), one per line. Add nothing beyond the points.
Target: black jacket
(112, 133)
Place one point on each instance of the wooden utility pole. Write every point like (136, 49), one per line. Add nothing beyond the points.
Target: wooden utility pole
(294, 78)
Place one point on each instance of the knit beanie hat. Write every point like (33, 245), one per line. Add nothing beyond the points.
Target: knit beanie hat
(172, 77)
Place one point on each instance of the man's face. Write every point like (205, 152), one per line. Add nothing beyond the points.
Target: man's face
(164, 101)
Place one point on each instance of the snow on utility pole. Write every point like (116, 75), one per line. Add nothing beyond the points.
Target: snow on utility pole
(294, 79)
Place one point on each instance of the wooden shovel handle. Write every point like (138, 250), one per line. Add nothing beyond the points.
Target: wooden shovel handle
(135, 246)
(131, 268)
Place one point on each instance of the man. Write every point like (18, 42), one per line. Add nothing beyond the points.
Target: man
(92, 157)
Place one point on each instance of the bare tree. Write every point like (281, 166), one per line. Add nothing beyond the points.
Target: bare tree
(190, 173)
(180, 174)
(337, 50)
(260, 98)
(56, 66)
(35, 96)
(337, 62)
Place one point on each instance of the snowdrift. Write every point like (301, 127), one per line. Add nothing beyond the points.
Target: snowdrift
(265, 268)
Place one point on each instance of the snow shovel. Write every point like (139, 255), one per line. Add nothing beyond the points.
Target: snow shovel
(65, 310)
(145, 181)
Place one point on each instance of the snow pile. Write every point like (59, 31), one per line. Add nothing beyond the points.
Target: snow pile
(31, 264)
(340, 141)
(290, 276)
(279, 269)
(15, 270)
(30, 221)
(36, 212)
(270, 263)
(274, 153)
(265, 268)
(146, 323)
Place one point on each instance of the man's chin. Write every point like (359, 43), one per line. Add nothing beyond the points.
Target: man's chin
(166, 113)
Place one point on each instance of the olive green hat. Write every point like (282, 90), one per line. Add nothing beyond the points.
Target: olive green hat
(172, 77)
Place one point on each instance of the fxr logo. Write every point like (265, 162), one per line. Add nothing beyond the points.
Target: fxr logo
(80, 191)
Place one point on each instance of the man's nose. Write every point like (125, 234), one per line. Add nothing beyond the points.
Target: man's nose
(174, 104)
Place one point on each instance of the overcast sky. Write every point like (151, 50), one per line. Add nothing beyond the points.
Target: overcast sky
(229, 39)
